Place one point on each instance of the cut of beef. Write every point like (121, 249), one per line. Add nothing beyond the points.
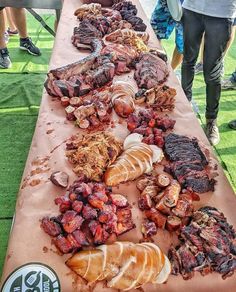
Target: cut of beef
(128, 12)
(188, 163)
(122, 56)
(207, 244)
(79, 67)
(92, 72)
(84, 33)
(150, 71)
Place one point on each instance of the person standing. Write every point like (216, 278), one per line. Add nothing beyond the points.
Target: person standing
(26, 43)
(163, 25)
(214, 18)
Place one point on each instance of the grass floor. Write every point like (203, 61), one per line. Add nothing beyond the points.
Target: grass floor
(20, 95)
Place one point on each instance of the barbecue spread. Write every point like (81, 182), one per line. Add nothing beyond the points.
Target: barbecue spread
(92, 214)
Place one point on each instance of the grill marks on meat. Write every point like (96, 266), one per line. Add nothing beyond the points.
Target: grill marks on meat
(81, 66)
(95, 22)
(90, 214)
(122, 56)
(188, 163)
(80, 78)
(128, 12)
(207, 244)
(92, 72)
(150, 71)
(84, 33)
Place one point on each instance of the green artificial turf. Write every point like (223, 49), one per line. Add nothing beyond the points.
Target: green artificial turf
(22, 62)
(20, 95)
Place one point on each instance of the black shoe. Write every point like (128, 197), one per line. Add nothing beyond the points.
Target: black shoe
(212, 131)
(232, 124)
(27, 45)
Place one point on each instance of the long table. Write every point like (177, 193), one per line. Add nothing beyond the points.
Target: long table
(28, 243)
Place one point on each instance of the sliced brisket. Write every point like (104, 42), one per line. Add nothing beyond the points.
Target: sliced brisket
(188, 163)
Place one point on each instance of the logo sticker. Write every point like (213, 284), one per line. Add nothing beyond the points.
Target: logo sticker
(32, 277)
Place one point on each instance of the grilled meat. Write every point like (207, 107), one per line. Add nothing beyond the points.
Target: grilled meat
(207, 245)
(93, 214)
(188, 163)
(150, 71)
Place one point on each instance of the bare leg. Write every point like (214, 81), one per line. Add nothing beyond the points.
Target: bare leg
(10, 21)
(177, 59)
(2, 31)
(202, 50)
(19, 18)
(231, 40)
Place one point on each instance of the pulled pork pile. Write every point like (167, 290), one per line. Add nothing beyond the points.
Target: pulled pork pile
(188, 163)
(150, 70)
(90, 214)
(151, 125)
(208, 244)
(92, 154)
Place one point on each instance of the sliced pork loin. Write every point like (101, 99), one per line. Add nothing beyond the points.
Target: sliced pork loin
(150, 71)
(124, 265)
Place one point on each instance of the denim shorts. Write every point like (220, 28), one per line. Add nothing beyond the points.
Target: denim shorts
(163, 25)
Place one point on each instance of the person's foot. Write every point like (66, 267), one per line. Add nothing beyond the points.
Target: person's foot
(232, 124)
(27, 45)
(228, 84)
(198, 68)
(12, 32)
(5, 62)
(212, 131)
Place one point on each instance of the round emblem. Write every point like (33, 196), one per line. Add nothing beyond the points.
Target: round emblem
(32, 277)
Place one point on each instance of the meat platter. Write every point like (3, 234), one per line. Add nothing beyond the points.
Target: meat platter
(29, 244)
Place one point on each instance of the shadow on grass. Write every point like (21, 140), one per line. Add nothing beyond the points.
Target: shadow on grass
(227, 150)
